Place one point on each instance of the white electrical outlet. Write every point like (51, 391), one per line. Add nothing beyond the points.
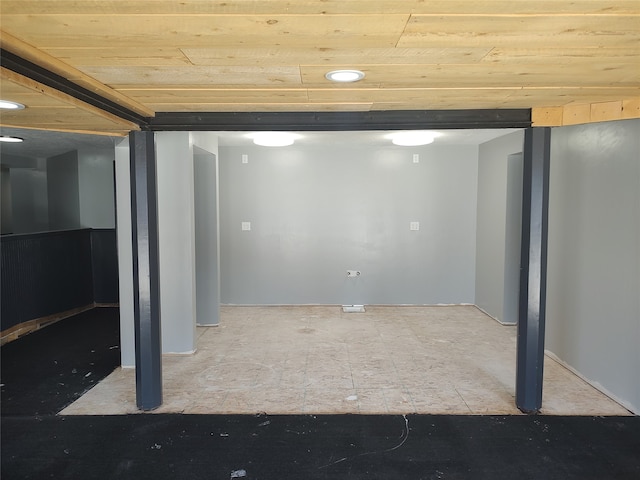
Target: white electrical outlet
(245, 158)
(353, 273)
(414, 226)
(246, 226)
(416, 158)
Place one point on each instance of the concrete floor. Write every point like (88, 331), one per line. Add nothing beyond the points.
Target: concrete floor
(317, 359)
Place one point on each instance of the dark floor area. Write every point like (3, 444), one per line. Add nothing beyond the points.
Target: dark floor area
(37, 444)
(44, 371)
(321, 447)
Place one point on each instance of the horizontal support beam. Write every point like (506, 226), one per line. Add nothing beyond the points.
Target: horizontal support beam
(46, 77)
(332, 121)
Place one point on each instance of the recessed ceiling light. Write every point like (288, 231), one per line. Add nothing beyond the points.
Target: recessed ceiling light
(412, 138)
(11, 139)
(274, 139)
(9, 105)
(345, 76)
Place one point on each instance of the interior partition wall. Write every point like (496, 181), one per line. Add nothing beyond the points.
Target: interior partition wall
(593, 300)
(179, 251)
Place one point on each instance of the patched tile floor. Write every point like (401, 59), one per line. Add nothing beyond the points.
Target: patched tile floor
(317, 359)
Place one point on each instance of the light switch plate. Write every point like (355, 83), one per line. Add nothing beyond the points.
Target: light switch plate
(245, 158)
(414, 226)
(246, 226)
(416, 158)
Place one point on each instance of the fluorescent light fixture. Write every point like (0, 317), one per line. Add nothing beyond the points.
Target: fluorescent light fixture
(11, 139)
(345, 76)
(9, 105)
(412, 138)
(274, 139)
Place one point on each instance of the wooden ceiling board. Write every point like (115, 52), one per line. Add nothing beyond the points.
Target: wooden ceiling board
(299, 7)
(197, 76)
(194, 96)
(123, 56)
(472, 97)
(485, 75)
(47, 107)
(345, 55)
(538, 31)
(628, 56)
(38, 57)
(272, 55)
(206, 30)
(350, 106)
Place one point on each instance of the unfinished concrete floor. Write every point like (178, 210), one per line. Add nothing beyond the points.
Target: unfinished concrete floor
(317, 359)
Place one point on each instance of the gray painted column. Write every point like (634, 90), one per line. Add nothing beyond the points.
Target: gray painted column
(146, 279)
(176, 226)
(533, 270)
(207, 237)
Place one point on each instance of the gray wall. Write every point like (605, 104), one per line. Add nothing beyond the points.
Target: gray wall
(207, 237)
(68, 191)
(316, 212)
(29, 200)
(63, 191)
(5, 201)
(593, 295)
(497, 221)
(96, 189)
(24, 197)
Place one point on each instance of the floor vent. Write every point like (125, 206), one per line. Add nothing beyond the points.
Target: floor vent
(353, 308)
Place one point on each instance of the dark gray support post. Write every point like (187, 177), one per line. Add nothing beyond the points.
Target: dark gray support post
(533, 270)
(146, 280)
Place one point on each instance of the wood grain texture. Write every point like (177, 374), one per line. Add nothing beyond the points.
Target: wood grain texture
(243, 7)
(50, 109)
(55, 65)
(578, 61)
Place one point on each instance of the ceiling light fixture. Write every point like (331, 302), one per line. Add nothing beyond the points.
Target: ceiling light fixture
(345, 76)
(6, 139)
(273, 139)
(412, 138)
(9, 105)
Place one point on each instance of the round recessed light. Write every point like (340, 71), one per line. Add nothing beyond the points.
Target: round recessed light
(345, 76)
(9, 105)
(274, 139)
(412, 138)
(6, 139)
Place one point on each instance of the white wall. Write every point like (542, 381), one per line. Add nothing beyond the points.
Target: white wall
(316, 212)
(593, 283)
(492, 232)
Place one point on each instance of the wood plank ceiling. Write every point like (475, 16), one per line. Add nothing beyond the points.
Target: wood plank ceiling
(272, 55)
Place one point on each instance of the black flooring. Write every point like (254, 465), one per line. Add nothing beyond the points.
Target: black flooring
(160, 446)
(44, 371)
